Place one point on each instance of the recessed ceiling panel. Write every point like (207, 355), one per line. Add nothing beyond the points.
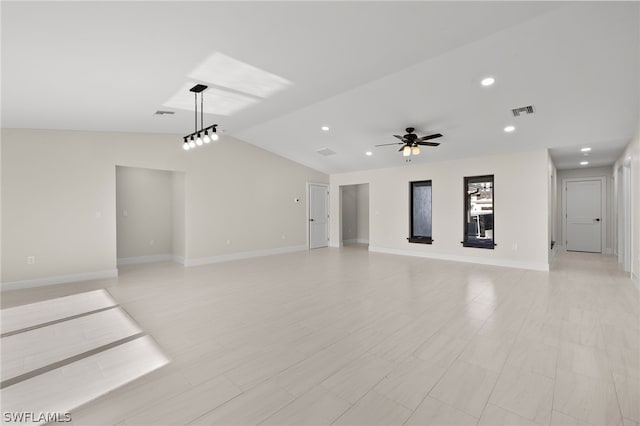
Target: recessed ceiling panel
(216, 101)
(226, 72)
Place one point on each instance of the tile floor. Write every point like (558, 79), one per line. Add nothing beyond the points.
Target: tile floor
(62, 353)
(344, 336)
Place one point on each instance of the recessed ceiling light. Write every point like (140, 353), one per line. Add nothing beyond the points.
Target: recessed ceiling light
(584, 163)
(369, 153)
(585, 149)
(325, 128)
(509, 129)
(488, 81)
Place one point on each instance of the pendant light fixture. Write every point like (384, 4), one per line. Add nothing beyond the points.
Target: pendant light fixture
(201, 136)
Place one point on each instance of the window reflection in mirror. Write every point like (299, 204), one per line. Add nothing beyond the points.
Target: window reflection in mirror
(478, 205)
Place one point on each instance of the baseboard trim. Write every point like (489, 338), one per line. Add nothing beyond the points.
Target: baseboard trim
(607, 250)
(635, 280)
(467, 259)
(336, 245)
(178, 259)
(59, 279)
(242, 255)
(145, 259)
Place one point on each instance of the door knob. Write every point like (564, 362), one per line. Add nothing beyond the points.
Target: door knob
(597, 220)
(311, 220)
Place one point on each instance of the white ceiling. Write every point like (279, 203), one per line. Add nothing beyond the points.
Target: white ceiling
(366, 69)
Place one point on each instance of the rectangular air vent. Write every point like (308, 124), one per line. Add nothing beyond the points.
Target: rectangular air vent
(325, 151)
(526, 110)
(161, 112)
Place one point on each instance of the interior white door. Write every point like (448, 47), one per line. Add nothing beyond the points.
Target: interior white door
(318, 216)
(583, 215)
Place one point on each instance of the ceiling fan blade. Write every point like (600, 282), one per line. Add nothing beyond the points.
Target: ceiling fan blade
(429, 137)
(399, 137)
(428, 143)
(387, 144)
(402, 148)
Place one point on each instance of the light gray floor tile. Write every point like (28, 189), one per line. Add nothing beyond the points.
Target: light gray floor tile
(348, 336)
(466, 387)
(434, 412)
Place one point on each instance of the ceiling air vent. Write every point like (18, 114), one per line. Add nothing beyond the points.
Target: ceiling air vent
(161, 112)
(526, 110)
(325, 151)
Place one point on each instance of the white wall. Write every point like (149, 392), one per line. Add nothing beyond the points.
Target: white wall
(58, 204)
(553, 208)
(606, 172)
(632, 155)
(59, 201)
(245, 195)
(521, 208)
(144, 205)
(178, 210)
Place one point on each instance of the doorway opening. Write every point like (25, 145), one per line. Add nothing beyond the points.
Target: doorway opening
(150, 215)
(623, 206)
(354, 214)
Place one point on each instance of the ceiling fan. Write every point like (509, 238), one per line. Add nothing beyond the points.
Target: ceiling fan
(411, 142)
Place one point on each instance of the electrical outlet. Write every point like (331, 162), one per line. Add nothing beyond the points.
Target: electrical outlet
(31, 260)
(98, 215)
(284, 237)
(152, 242)
(228, 242)
(514, 247)
(125, 213)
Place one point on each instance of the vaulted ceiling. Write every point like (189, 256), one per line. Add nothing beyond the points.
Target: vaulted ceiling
(367, 70)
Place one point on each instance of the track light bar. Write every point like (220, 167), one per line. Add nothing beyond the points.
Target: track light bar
(202, 136)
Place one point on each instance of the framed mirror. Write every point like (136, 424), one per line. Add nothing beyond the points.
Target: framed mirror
(420, 220)
(479, 229)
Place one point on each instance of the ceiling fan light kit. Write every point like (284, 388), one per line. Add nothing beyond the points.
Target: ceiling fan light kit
(411, 142)
(202, 136)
